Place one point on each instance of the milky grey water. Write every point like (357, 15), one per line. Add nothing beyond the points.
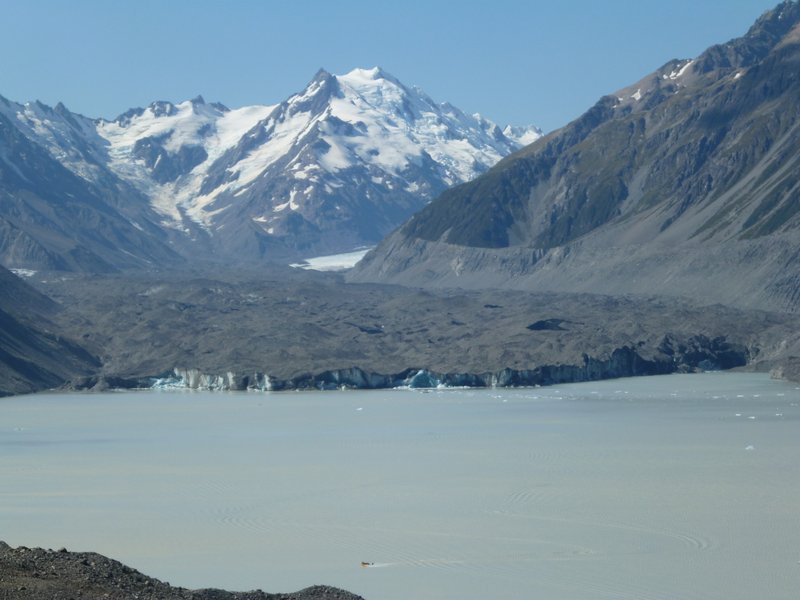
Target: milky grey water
(671, 487)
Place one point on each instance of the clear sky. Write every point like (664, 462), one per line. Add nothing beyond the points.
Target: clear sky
(514, 61)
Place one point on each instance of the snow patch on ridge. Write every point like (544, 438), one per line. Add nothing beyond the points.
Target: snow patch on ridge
(678, 73)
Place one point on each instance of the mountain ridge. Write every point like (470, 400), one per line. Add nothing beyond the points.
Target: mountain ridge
(682, 184)
(331, 168)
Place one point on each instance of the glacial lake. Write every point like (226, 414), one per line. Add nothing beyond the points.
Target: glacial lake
(678, 487)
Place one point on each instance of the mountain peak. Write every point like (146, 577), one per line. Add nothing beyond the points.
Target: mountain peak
(163, 108)
(772, 29)
(321, 75)
(652, 190)
(778, 20)
(374, 73)
(333, 167)
(315, 96)
(523, 135)
(368, 77)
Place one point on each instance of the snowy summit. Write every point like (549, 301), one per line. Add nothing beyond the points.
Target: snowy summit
(332, 168)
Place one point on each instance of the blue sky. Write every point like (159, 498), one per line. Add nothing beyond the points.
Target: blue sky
(516, 62)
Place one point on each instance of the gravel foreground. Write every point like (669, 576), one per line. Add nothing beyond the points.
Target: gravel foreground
(39, 574)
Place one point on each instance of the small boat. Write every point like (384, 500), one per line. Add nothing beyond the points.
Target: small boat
(367, 564)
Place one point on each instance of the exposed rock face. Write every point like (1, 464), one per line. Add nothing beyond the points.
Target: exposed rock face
(684, 183)
(672, 356)
(788, 369)
(39, 574)
(33, 354)
(52, 218)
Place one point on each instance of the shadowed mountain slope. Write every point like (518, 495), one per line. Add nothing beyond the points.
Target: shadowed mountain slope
(33, 356)
(52, 218)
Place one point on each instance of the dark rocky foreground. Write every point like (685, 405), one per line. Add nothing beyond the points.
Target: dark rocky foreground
(38, 574)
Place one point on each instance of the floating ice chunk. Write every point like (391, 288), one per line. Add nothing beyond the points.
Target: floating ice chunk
(750, 447)
(752, 417)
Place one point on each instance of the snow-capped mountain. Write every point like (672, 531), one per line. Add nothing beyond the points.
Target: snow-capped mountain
(60, 206)
(332, 168)
(165, 150)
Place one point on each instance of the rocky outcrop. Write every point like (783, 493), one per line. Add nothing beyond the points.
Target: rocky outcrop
(39, 574)
(787, 369)
(698, 353)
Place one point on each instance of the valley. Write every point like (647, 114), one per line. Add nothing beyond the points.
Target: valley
(656, 233)
(359, 235)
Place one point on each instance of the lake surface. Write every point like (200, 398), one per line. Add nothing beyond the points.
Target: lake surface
(677, 487)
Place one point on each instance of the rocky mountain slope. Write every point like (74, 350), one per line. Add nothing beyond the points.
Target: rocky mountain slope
(332, 168)
(60, 207)
(33, 353)
(685, 183)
